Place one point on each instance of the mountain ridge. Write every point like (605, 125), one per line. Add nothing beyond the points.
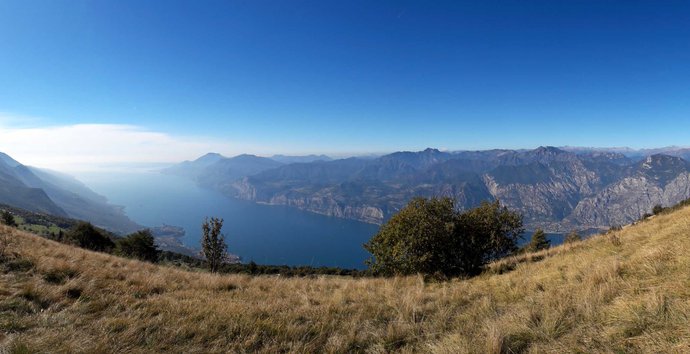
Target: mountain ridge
(555, 189)
(56, 194)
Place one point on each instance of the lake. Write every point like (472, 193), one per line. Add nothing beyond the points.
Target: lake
(265, 234)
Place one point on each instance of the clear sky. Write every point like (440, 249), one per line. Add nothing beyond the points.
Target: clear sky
(172, 79)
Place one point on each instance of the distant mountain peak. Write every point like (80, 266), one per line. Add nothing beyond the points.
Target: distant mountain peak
(211, 156)
(661, 158)
(545, 154)
(662, 168)
(248, 157)
(662, 161)
(549, 150)
(8, 160)
(288, 159)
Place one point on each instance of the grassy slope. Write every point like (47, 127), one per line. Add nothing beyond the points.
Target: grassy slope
(624, 292)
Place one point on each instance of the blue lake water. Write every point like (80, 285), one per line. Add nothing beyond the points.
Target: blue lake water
(265, 234)
(262, 233)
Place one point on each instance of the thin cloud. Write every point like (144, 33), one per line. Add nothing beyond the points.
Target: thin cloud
(83, 147)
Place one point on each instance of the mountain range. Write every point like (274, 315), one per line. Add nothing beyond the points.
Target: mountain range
(55, 193)
(557, 189)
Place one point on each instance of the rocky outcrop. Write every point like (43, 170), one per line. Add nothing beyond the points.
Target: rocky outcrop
(324, 202)
(330, 207)
(628, 199)
(537, 202)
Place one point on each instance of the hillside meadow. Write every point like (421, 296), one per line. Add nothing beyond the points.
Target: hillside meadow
(626, 291)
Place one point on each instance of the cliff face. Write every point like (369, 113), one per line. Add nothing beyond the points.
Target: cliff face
(619, 203)
(540, 201)
(554, 189)
(323, 202)
(628, 199)
(362, 200)
(327, 205)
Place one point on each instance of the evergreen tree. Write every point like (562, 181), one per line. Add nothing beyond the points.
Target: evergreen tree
(539, 241)
(8, 219)
(213, 243)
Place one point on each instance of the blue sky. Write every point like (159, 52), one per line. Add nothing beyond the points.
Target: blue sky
(348, 76)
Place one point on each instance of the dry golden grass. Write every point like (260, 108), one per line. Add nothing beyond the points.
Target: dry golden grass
(628, 291)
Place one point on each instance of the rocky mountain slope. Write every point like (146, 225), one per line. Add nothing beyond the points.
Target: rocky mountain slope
(14, 192)
(58, 194)
(555, 189)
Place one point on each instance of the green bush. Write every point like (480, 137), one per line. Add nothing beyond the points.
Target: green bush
(8, 218)
(430, 236)
(85, 235)
(139, 245)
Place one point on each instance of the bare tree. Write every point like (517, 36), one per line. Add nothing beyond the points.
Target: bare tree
(213, 243)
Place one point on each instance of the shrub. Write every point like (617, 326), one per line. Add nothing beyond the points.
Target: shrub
(658, 209)
(17, 265)
(430, 236)
(85, 235)
(5, 242)
(573, 236)
(8, 218)
(140, 245)
(538, 241)
(73, 293)
(615, 228)
(59, 276)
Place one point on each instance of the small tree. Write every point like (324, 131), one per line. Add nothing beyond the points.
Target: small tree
(140, 245)
(213, 243)
(8, 219)
(486, 233)
(430, 236)
(573, 236)
(538, 241)
(85, 235)
(657, 209)
(415, 240)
